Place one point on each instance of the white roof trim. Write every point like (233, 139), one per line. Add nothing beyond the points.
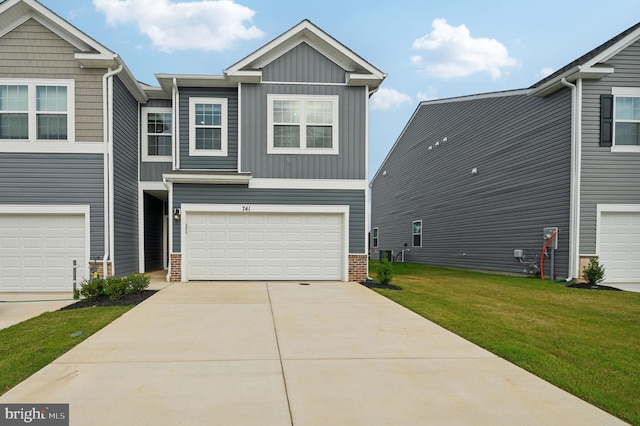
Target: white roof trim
(307, 32)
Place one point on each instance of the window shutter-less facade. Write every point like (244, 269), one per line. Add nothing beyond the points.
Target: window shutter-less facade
(606, 120)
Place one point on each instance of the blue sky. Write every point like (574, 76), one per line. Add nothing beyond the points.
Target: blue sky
(430, 49)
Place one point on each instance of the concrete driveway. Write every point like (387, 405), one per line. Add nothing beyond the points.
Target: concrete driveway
(283, 353)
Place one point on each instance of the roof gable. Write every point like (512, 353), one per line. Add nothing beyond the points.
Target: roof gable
(590, 65)
(359, 71)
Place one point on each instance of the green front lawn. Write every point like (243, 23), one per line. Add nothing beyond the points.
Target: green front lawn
(30, 345)
(584, 341)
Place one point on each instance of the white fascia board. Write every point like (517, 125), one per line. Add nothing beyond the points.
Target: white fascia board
(613, 50)
(347, 184)
(206, 178)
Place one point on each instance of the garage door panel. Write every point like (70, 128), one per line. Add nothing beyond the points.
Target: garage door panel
(619, 246)
(266, 246)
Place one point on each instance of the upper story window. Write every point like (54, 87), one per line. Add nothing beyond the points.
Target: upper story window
(36, 110)
(157, 134)
(301, 124)
(208, 126)
(374, 237)
(417, 233)
(626, 119)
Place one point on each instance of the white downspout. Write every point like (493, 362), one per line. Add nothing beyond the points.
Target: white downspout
(176, 125)
(576, 156)
(107, 128)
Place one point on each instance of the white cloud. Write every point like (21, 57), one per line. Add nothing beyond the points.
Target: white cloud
(388, 99)
(545, 72)
(452, 52)
(201, 25)
(427, 95)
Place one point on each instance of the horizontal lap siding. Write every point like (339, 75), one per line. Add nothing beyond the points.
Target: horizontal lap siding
(125, 170)
(57, 179)
(33, 51)
(234, 194)
(520, 146)
(349, 164)
(607, 177)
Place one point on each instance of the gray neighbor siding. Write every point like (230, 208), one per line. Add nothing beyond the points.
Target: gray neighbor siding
(125, 170)
(57, 179)
(521, 148)
(230, 162)
(236, 194)
(607, 177)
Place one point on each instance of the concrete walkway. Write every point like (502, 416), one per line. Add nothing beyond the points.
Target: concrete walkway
(18, 307)
(284, 353)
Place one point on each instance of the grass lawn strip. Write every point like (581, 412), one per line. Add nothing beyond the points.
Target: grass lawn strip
(30, 345)
(584, 341)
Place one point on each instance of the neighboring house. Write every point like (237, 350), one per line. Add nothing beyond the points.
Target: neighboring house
(473, 181)
(256, 174)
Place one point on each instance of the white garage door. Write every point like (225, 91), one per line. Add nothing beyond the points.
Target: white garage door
(37, 251)
(259, 246)
(619, 246)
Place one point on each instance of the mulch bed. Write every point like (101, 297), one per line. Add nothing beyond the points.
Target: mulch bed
(376, 284)
(101, 301)
(593, 287)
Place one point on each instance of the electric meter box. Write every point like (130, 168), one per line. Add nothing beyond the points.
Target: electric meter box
(547, 233)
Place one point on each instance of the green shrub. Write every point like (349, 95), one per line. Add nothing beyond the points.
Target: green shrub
(594, 272)
(115, 287)
(385, 272)
(137, 283)
(90, 290)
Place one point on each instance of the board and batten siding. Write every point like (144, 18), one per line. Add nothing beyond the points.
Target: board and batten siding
(520, 147)
(607, 177)
(235, 194)
(350, 163)
(125, 179)
(303, 64)
(33, 51)
(230, 162)
(57, 179)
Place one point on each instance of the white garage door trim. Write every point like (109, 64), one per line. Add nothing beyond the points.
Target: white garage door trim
(264, 208)
(83, 210)
(603, 209)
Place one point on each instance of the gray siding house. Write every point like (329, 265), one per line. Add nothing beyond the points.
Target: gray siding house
(479, 181)
(259, 173)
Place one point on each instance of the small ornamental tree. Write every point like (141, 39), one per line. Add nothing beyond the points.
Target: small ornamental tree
(385, 273)
(594, 272)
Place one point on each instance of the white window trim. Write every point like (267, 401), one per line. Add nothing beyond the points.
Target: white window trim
(222, 152)
(375, 241)
(145, 136)
(414, 234)
(32, 121)
(334, 150)
(633, 92)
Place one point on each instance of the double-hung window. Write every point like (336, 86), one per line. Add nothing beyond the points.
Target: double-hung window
(626, 119)
(374, 237)
(208, 126)
(416, 231)
(36, 110)
(157, 134)
(302, 124)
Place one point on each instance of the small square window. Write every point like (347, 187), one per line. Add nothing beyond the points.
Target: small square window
(208, 127)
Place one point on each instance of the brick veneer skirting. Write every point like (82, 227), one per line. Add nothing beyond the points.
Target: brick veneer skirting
(358, 267)
(175, 267)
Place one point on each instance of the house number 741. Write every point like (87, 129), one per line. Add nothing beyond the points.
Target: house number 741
(246, 208)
